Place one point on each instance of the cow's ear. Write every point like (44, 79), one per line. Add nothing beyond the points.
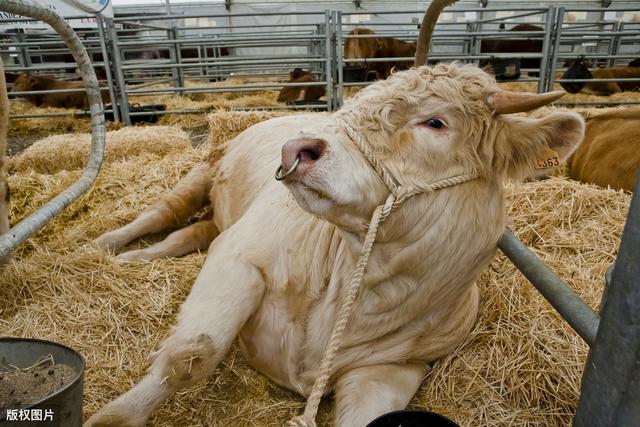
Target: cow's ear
(295, 73)
(532, 147)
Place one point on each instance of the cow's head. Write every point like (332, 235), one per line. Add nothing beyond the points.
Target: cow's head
(425, 124)
(577, 70)
(291, 94)
(25, 82)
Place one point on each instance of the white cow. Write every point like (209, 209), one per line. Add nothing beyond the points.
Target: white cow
(277, 270)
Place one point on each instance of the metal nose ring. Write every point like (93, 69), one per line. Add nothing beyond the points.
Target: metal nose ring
(280, 175)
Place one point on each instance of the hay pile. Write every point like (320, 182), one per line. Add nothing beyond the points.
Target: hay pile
(521, 365)
(207, 101)
(47, 125)
(190, 101)
(72, 150)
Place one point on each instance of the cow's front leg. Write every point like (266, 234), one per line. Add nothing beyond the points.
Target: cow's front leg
(364, 394)
(226, 293)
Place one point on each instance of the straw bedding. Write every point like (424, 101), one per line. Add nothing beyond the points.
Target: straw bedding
(520, 366)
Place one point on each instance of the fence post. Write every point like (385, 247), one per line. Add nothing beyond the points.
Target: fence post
(610, 394)
(547, 56)
(328, 42)
(174, 54)
(339, 60)
(556, 48)
(117, 65)
(106, 61)
(614, 43)
(25, 58)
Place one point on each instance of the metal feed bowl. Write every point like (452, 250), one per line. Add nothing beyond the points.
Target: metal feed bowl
(66, 403)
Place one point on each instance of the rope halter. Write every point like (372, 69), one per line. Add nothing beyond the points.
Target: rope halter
(398, 194)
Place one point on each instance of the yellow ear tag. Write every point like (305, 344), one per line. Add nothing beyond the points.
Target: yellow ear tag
(550, 158)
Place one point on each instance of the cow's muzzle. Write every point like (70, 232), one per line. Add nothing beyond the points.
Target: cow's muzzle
(299, 154)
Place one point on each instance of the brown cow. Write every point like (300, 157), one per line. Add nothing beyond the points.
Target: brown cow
(515, 46)
(610, 153)
(579, 70)
(291, 94)
(4, 186)
(28, 82)
(379, 47)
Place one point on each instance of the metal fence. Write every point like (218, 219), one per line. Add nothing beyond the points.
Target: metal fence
(611, 382)
(180, 54)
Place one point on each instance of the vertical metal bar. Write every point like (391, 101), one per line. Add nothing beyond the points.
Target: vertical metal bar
(25, 58)
(202, 54)
(107, 68)
(328, 69)
(614, 43)
(172, 58)
(117, 65)
(547, 56)
(340, 60)
(477, 44)
(176, 58)
(556, 48)
(611, 381)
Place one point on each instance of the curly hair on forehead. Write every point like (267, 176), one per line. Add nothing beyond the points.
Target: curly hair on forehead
(385, 104)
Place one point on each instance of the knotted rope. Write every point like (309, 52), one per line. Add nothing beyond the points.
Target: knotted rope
(398, 194)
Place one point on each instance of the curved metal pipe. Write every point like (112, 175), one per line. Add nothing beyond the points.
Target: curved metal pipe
(34, 222)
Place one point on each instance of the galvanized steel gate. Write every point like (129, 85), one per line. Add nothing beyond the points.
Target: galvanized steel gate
(610, 394)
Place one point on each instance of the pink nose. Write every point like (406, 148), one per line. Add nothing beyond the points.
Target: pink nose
(306, 150)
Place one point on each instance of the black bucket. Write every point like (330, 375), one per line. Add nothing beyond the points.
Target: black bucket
(355, 73)
(151, 113)
(62, 408)
(412, 418)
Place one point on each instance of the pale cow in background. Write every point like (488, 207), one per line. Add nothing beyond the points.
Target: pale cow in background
(4, 185)
(277, 270)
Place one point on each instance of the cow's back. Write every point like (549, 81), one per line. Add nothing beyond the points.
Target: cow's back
(623, 72)
(610, 153)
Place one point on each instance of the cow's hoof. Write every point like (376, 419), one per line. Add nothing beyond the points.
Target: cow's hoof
(133, 256)
(110, 241)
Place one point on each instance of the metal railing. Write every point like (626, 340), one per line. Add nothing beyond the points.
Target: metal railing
(35, 221)
(611, 383)
(137, 51)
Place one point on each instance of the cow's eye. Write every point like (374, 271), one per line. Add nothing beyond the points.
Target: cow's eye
(434, 123)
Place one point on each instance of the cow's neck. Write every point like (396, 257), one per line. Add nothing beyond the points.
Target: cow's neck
(431, 236)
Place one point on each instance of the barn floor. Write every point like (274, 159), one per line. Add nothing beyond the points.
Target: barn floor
(521, 365)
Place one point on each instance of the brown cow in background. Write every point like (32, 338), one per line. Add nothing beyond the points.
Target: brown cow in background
(610, 153)
(379, 47)
(291, 94)
(521, 45)
(28, 82)
(579, 70)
